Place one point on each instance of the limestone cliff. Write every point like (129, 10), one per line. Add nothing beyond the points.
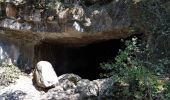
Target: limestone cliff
(28, 23)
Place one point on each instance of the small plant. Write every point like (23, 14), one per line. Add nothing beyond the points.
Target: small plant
(8, 74)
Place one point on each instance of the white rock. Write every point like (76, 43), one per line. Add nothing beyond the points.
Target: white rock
(77, 27)
(45, 75)
(16, 2)
(9, 54)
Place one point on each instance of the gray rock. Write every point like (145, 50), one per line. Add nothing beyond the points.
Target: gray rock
(14, 24)
(60, 96)
(67, 85)
(16, 95)
(16, 2)
(68, 81)
(9, 53)
(58, 93)
(44, 75)
(70, 91)
(100, 20)
(87, 89)
(56, 89)
(105, 87)
(71, 77)
(36, 17)
(72, 87)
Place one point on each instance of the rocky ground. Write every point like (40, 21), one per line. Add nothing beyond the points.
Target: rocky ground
(70, 87)
(44, 84)
(22, 89)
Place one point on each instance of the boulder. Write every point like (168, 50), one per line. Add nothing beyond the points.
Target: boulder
(44, 75)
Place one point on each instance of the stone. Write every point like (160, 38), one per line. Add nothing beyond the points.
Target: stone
(82, 89)
(16, 95)
(87, 89)
(16, 2)
(105, 87)
(71, 77)
(11, 10)
(9, 53)
(50, 18)
(56, 89)
(60, 96)
(68, 81)
(14, 24)
(44, 75)
(66, 85)
(78, 13)
(99, 89)
(36, 17)
(58, 93)
(78, 27)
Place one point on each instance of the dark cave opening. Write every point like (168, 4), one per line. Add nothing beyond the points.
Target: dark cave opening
(83, 60)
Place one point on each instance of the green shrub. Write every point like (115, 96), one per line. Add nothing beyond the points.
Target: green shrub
(131, 68)
(8, 74)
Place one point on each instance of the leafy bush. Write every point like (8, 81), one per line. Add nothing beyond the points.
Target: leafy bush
(8, 74)
(130, 68)
(145, 67)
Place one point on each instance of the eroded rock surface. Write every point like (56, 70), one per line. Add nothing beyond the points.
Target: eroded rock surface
(67, 22)
(74, 17)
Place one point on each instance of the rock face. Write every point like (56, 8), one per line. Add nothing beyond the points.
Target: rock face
(71, 23)
(44, 75)
(76, 18)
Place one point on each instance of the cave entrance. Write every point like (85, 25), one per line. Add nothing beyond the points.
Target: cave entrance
(83, 60)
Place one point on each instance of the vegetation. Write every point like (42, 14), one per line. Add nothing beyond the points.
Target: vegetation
(8, 74)
(144, 65)
(144, 82)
